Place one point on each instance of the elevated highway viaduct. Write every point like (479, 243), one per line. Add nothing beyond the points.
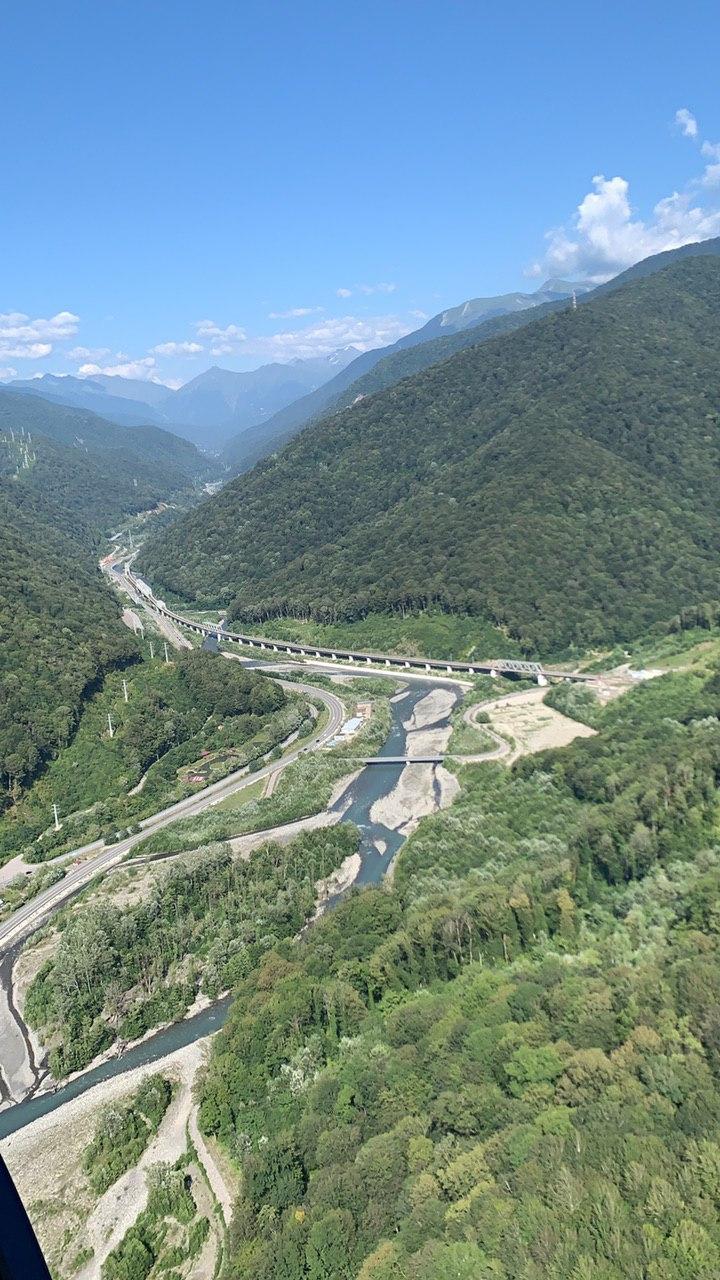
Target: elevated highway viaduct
(493, 667)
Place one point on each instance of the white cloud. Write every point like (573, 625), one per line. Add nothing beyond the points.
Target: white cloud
(15, 324)
(25, 351)
(7, 373)
(25, 339)
(687, 122)
(177, 349)
(384, 286)
(89, 353)
(223, 342)
(606, 235)
(326, 336)
(144, 369)
(711, 176)
(296, 313)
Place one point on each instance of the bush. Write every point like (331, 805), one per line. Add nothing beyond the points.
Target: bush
(123, 1133)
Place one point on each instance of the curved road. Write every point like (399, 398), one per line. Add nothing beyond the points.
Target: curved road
(29, 918)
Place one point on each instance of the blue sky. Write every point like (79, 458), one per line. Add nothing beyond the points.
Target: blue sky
(179, 179)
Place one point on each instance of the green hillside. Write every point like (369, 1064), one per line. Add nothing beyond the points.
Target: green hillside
(244, 450)
(59, 631)
(95, 468)
(66, 476)
(560, 481)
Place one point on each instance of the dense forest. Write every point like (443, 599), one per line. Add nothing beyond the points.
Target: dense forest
(121, 970)
(66, 476)
(90, 467)
(59, 628)
(561, 481)
(505, 1065)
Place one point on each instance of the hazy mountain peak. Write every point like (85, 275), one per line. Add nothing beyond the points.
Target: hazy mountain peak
(565, 287)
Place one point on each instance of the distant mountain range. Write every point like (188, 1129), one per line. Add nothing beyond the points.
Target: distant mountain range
(219, 402)
(208, 409)
(477, 310)
(252, 413)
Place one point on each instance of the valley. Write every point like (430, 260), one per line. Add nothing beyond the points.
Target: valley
(406, 948)
(387, 803)
(386, 818)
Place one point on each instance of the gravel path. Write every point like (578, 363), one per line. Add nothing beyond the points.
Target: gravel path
(220, 1189)
(118, 1208)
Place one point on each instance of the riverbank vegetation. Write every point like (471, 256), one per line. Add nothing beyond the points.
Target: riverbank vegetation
(469, 738)
(168, 1233)
(123, 1132)
(524, 1022)
(184, 725)
(119, 970)
(577, 701)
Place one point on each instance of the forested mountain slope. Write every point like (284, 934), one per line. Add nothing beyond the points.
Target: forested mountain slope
(59, 630)
(562, 481)
(95, 467)
(65, 477)
(383, 367)
(376, 370)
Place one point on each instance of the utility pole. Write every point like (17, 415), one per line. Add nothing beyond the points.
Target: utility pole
(58, 823)
(125, 690)
(152, 651)
(167, 659)
(111, 729)
(574, 300)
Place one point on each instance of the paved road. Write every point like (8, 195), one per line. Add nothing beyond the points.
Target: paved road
(28, 918)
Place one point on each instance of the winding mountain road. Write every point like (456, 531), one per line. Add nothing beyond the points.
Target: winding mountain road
(31, 916)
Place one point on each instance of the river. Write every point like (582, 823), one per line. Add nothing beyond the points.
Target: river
(372, 783)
